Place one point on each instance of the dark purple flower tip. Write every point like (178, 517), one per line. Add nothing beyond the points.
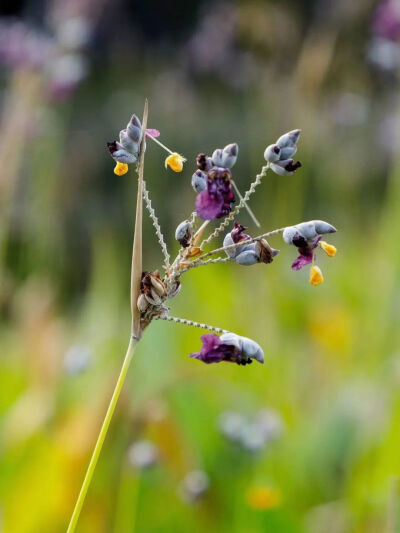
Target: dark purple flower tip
(112, 147)
(292, 166)
(215, 351)
(299, 241)
(209, 206)
(305, 258)
(202, 162)
(238, 234)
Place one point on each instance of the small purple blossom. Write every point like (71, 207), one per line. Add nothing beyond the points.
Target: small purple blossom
(229, 347)
(306, 237)
(217, 199)
(306, 254)
(213, 182)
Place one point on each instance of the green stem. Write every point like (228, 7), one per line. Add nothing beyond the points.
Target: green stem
(102, 435)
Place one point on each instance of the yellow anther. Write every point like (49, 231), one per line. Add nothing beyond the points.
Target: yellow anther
(316, 277)
(120, 169)
(175, 162)
(329, 249)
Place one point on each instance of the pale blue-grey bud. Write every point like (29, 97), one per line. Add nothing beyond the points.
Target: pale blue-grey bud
(183, 233)
(248, 347)
(252, 349)
(323, 227)
(272, 153)
(127, 142)
(288, 151)
(123, 156)
(134, 129)
(289, 233)
(199, 181)
(233, 252)
(229, 155)
(217, 158)
(288, 139)
(247, 257)
(286, 167)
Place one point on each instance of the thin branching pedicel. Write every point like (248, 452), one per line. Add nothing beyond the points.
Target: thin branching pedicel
(215, 188)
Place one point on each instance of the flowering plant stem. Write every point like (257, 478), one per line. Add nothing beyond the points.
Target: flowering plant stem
(136, 275)
(102, 435)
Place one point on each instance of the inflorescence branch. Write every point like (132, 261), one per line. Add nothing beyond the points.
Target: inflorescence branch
(195, 264)
(236, 210)
(186, 322)
(156, 225)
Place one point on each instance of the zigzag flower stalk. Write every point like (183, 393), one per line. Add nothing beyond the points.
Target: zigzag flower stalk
(215, 188)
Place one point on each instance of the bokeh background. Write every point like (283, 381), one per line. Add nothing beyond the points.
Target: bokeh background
(307, 443)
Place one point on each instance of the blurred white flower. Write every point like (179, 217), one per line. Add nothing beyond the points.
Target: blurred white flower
(77, 359)
(193, 486)
(143, 454)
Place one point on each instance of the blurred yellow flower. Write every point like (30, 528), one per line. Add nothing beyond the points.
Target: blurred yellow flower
(120, 169)
(175, 162)
(263, 498)
(329, 249)
(316, 277)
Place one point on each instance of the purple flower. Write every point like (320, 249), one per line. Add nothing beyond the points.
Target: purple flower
(229, 347)
(386, 20)
(217, 199)
(306, 254)
(306, 237)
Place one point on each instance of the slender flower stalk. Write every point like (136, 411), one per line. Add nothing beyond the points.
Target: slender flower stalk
(136, 332)
(252, 215)
(156, 225)
(186, 322)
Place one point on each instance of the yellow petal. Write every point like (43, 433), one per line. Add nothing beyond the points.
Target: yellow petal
(329, 249)
(316, 277)
(175, 162)
(120, 169)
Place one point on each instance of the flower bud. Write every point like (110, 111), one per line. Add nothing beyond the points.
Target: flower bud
(248, 347)
(175, 289)
(142, 303)
(272, 153)
(252, 349)
(287, 152)
(248, 257)
(157, 284)
(229, 155)
(183, 233)
(285, 167)
(154, 297)
(289, 233)
(204, 162)
(199, 181)
(119, 153)
(217, 158)
(323, 227)
(288, 139)
(134, 129)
